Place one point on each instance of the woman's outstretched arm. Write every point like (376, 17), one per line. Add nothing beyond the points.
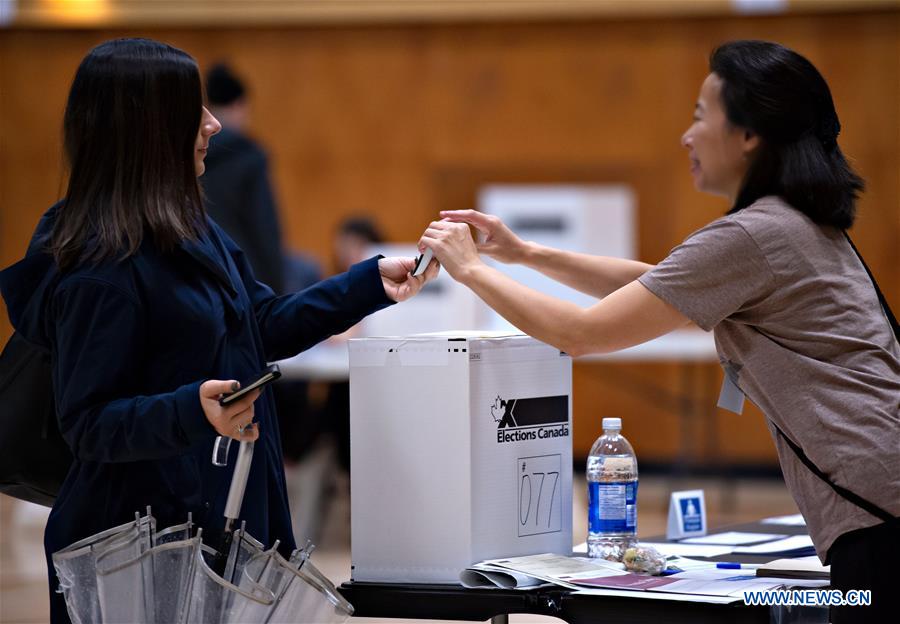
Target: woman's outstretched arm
(628, 316)
(597, 276)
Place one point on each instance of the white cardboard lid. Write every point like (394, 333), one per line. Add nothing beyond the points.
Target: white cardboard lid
(473, 334)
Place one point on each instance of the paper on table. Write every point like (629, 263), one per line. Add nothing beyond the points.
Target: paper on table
(805, 582)
(685, 564)
(689, 550)
(706, 582)
(734, 585)
(792, 520)
(788, 544)
(624, 593)
(628, 580)
(733, 538)
(555, 568)
(712, 573)
(796, 567)
(485, 577)
(694, 570)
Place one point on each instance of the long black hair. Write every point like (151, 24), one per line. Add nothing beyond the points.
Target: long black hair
(779, 95)
(130, 124)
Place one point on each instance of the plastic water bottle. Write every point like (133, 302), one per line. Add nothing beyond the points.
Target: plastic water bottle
(612, 476)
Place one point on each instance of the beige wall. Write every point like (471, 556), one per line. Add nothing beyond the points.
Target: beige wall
(404, 120)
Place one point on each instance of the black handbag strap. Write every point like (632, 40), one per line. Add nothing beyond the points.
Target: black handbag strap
(857, 500)
(884, 304)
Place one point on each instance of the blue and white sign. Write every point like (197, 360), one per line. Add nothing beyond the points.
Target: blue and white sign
(687, 514)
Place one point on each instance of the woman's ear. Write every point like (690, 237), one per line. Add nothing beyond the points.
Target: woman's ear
(751, 142)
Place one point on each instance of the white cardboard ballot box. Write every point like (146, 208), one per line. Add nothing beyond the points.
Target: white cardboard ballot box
(461, 450)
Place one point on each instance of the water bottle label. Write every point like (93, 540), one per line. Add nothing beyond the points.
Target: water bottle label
(612, 507)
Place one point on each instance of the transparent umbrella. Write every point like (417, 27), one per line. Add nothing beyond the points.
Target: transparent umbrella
(134, 573)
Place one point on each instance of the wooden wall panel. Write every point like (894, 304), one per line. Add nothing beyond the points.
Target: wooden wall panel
(403, 120)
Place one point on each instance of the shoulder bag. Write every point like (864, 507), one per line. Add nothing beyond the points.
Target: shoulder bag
(34, 458)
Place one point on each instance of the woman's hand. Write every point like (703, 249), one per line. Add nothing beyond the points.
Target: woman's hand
(396, 276)
(499, 241)
(453, 246)
(235, 420)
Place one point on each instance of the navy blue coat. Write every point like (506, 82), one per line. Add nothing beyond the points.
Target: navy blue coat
(131, 342)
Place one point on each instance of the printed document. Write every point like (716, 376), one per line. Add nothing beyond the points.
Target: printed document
(733, 538)
(796, 544)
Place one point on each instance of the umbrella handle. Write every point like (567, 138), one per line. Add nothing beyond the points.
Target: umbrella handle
(220, 451)
(239, 480)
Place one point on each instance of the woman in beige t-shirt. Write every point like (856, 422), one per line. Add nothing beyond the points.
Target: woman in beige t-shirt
(797, 322)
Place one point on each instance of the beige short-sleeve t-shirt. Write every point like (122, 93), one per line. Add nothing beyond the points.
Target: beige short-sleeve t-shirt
(799, 328)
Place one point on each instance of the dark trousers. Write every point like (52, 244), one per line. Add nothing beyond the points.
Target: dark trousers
(868, 559)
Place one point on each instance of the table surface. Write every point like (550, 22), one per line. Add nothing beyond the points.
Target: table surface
(451, 602)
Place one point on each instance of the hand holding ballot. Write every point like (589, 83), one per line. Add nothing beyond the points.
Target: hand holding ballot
(397, 279)
(453, 247)
(498, 241)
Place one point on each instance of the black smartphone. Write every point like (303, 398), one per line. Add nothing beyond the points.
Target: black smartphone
(267, 376)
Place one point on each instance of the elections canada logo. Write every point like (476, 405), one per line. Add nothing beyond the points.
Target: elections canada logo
(537, 418)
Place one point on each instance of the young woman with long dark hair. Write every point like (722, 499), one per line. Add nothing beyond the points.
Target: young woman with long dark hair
(150, 311)
(798, 325)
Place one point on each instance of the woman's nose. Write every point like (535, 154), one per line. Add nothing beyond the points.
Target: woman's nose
(212, 126)
(686, 139)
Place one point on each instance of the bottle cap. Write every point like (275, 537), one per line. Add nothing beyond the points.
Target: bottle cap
(612, 423)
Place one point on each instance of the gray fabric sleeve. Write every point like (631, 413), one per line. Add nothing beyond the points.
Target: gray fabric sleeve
(713, 274)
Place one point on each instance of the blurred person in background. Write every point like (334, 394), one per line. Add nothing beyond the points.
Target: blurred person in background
(238, 189)
(238, 196)
(150, 311)
(354, 237)
(798, 325)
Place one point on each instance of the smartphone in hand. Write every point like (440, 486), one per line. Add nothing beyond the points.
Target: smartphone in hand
(267, 376)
